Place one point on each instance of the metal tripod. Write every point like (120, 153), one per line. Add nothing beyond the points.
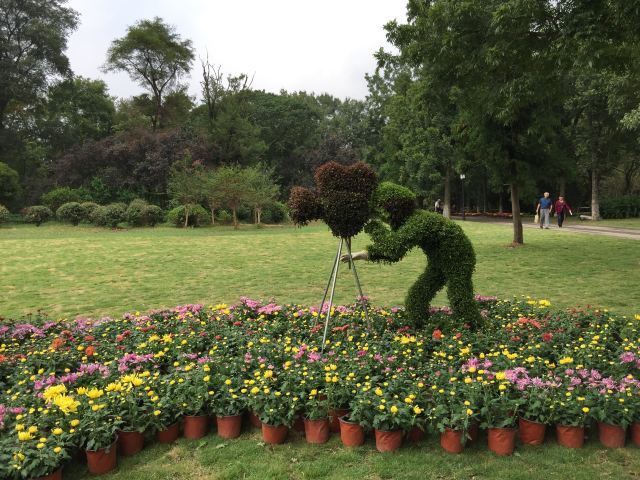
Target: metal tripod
(332, 284)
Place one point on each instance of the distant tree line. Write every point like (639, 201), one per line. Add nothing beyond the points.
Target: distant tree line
(519, 96)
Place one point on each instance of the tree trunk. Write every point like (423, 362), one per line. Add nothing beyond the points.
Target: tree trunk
(186, 216)
(259, 215)
(595, 201)
(235, 218)
(446, 210)
(562, 187)
(500, 206)
(213, 215)
(518, 237)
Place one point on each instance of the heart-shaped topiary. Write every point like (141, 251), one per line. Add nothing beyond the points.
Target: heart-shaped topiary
(343, 198)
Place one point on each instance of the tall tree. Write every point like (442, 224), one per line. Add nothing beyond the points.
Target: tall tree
(263, 189)
(153, 55)
(234, 189)
(187, 184)
(499, 55)
(33, 40)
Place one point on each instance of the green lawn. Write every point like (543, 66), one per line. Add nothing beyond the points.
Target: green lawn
(69, 271)
(248, 458)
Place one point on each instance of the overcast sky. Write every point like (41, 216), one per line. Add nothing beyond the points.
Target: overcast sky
(317, 46)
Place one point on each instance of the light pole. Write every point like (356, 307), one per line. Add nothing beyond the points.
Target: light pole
(462, 177)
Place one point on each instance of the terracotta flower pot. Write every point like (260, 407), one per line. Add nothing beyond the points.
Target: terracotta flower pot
(169, 434)
(229, 426)
(502, 440)
(611, 436)
(334, 418)
(274, 434)
(531, 433)
(195, 426)
(388, 441)
(351, 434)
(255, 420)
(415, 435)
(317, 431)
(55, 475)
(570, 437)
(130, 443)
(635, 433)
(451, 441)
(103, 460)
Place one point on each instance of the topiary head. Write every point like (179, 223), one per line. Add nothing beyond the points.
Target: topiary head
(396, 202)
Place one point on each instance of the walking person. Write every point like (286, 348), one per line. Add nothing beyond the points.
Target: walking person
(544, 209)
(560, 207)
(438, 206)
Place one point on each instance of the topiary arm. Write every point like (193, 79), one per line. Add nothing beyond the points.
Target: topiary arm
(388, 246)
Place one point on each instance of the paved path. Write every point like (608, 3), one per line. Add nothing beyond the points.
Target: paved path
(582, 227)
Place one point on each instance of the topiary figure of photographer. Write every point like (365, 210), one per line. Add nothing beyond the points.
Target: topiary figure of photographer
(451, 258)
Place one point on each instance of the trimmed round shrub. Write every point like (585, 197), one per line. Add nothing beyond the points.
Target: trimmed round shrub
(198, 216)
(87, 210)
(141, 214)
(135, 213)
(37, 214)
(71, 212)
(109, 215)
(4, 214)
(275, 212)
(57, 197)
(153, 215)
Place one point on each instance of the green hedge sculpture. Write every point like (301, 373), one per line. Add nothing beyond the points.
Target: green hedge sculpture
(451, 258)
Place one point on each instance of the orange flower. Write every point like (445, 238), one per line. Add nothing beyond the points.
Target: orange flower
(57, 343)
(90, 350)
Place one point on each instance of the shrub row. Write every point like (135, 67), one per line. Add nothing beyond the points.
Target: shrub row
(621, 207)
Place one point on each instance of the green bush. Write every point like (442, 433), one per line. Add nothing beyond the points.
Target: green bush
(87, 210)
(9, 183)
(197, 216)
(275, 213)
(141, 214)
(71, 212)
(4, 214)
(224, 217)
(57, 197)
(621, 207)
(153, 215)
(37, 214)
(135, 213)
(109, 215)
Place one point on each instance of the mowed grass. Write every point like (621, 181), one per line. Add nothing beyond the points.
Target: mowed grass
(69, 271)
(248, 458)
(93, 272)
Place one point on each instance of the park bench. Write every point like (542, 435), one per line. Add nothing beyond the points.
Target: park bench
(584, 213)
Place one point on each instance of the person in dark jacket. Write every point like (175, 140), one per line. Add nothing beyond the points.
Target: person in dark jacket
(561, 207)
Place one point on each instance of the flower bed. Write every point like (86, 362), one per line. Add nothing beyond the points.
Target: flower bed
(75, 384)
